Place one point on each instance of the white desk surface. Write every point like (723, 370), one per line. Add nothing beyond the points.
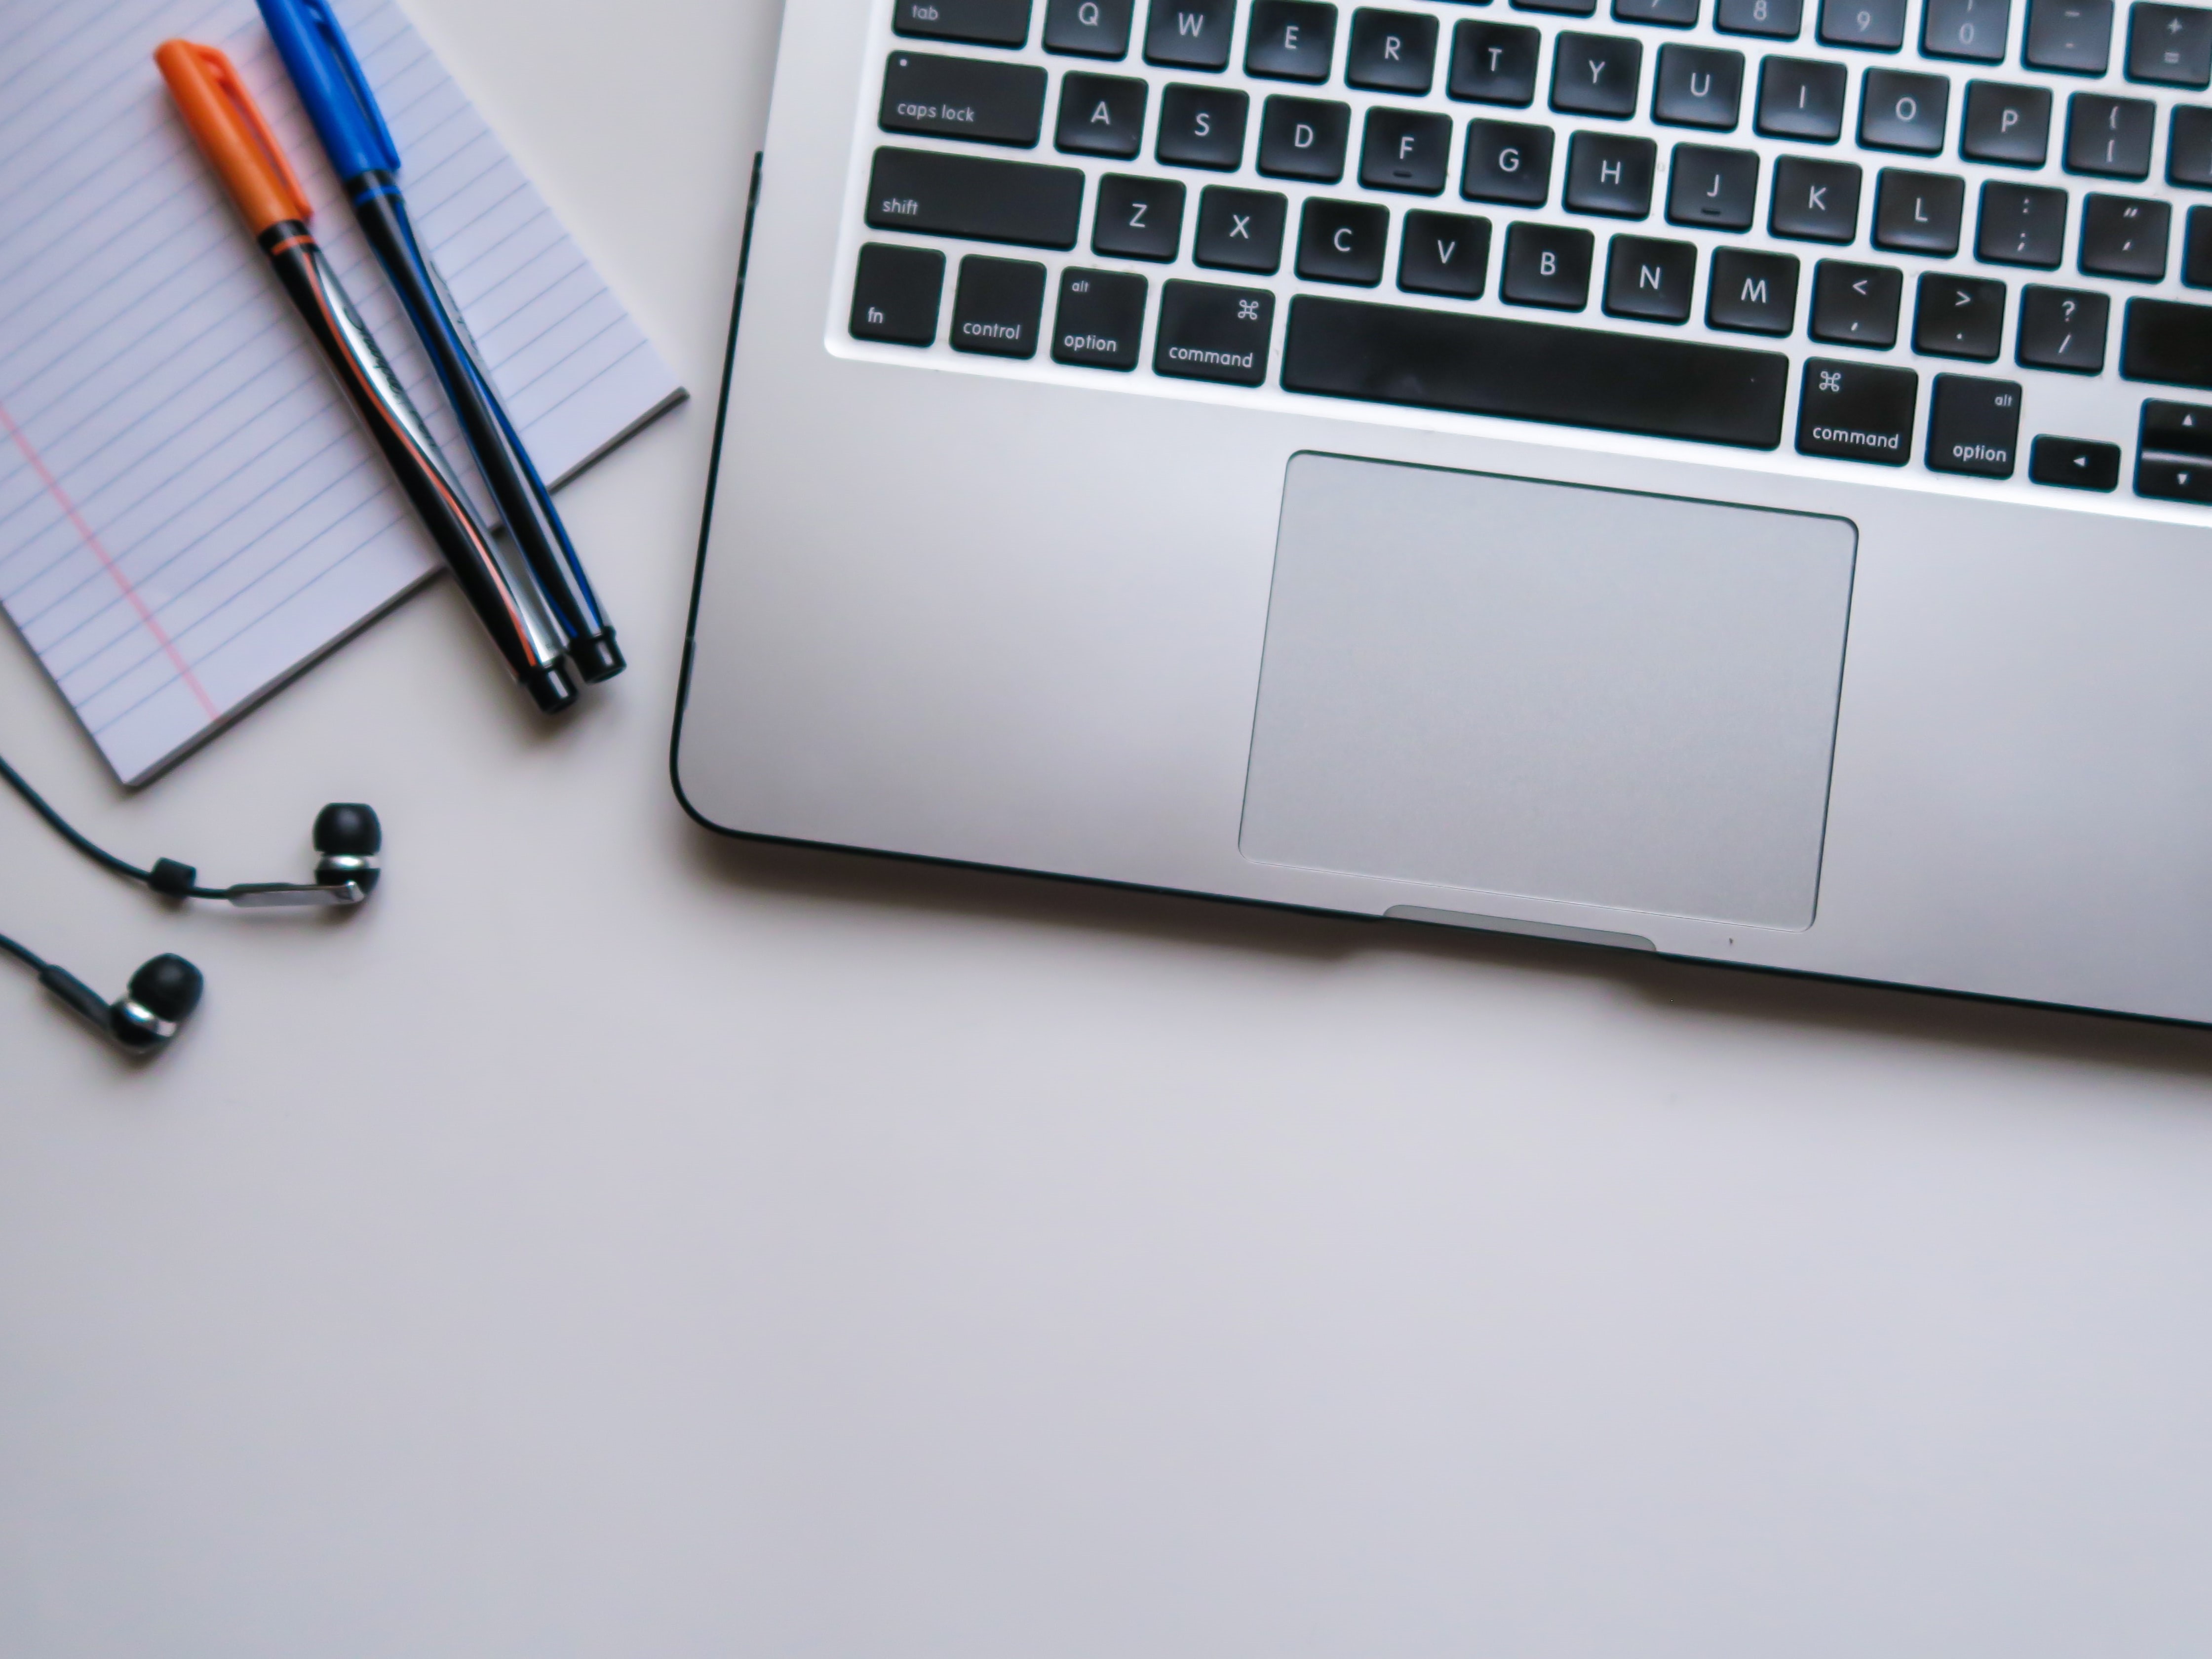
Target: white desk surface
(615, 1243)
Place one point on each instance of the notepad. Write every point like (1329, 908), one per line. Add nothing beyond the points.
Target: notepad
(190, 514)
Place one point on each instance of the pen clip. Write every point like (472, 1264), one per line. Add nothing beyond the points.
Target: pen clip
(224, 74)
(318, 14)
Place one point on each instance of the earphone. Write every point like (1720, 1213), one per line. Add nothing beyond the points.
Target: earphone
(162, 994)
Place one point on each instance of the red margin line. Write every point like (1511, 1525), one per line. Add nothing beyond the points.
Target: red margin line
(145, 612)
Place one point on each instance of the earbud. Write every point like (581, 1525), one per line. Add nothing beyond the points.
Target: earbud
(161, 998)
(347, 838)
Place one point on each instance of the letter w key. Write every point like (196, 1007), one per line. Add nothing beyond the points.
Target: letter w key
(1190, 33)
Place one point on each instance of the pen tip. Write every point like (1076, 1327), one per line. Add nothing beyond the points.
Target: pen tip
(550, 688)
(597, 658)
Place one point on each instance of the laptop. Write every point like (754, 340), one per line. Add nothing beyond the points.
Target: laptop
(1730, 479)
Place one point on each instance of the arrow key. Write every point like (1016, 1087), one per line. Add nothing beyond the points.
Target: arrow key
(2075, 464)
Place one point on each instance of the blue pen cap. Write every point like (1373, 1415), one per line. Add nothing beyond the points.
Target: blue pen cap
(332, 87)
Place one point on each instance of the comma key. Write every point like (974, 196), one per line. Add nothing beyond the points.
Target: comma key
(1210, 332)
(1856, 412)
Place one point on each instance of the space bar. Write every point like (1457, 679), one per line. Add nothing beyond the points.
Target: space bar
(1535, 372)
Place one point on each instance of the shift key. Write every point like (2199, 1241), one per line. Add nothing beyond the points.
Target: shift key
(961, 98)
(974, 197)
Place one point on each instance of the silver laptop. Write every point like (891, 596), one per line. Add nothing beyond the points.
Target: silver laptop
(1725, 477)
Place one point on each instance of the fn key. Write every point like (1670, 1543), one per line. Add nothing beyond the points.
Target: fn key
(896, 294)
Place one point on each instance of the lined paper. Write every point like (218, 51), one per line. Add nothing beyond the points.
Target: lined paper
(190, 513)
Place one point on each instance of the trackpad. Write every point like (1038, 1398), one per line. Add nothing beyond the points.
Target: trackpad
(1551, 691)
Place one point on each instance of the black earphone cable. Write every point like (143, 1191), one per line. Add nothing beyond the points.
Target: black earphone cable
(28, 959)
(100, 856)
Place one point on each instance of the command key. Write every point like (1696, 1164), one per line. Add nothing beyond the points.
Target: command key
(1856, 412)
(1212, 332)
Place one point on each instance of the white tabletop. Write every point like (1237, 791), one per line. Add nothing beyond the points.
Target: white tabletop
(615, 1241)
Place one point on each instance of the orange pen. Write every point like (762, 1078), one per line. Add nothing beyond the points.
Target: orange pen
(236, 139)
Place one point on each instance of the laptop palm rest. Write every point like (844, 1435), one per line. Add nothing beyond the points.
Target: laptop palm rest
(1550, 691)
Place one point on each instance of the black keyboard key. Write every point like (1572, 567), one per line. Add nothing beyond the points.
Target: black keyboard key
(1973, 426)
(1202, 127)
(2109, 137)
(1564, 7)
(1407, 150)
(896, 294)
(2125, 236)
(1959, 317)
(1531, 371)
(1856, 412)
(2196, 249)
(2073, 37)
(1650, 279)
(2006, 124)
(1189, 34)
(1137, 218)
(984, 22)
(2173, 452)
(1444, 254)
(1666, 14)
(974, 197)
(1815, 201)
(1494, 64)
(2062, 328)
(1595, 74)
(1751, 292)
(1716, 188)
(1547, 266)
(1089, 28)
(1610, 173)
(1777, 19)
(1918, 212)
(2021, 225)
(1971, 29)
(1342, 242)
(2170, 45)
(1698, 87)
(1507, 161)
(1291, 40)
(2075, 464)
(1101, 115)
(1304, 138)
(998, 307)
(2173, 479)
(1855, 305)
(1800, 98)
(1869, 25)
(1240, 230)
(1391, 51)
(2189, 148)
(2168, 342)
(962, 98)
(1208, 333)
(1904, 111)
(1101, 320)
(2175, 428)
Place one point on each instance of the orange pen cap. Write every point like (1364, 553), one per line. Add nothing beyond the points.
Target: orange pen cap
(232, 134)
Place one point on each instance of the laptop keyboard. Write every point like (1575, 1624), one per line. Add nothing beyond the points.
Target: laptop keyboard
(1968, 238)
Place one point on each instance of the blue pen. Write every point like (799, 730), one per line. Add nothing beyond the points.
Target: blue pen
(346, 117)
